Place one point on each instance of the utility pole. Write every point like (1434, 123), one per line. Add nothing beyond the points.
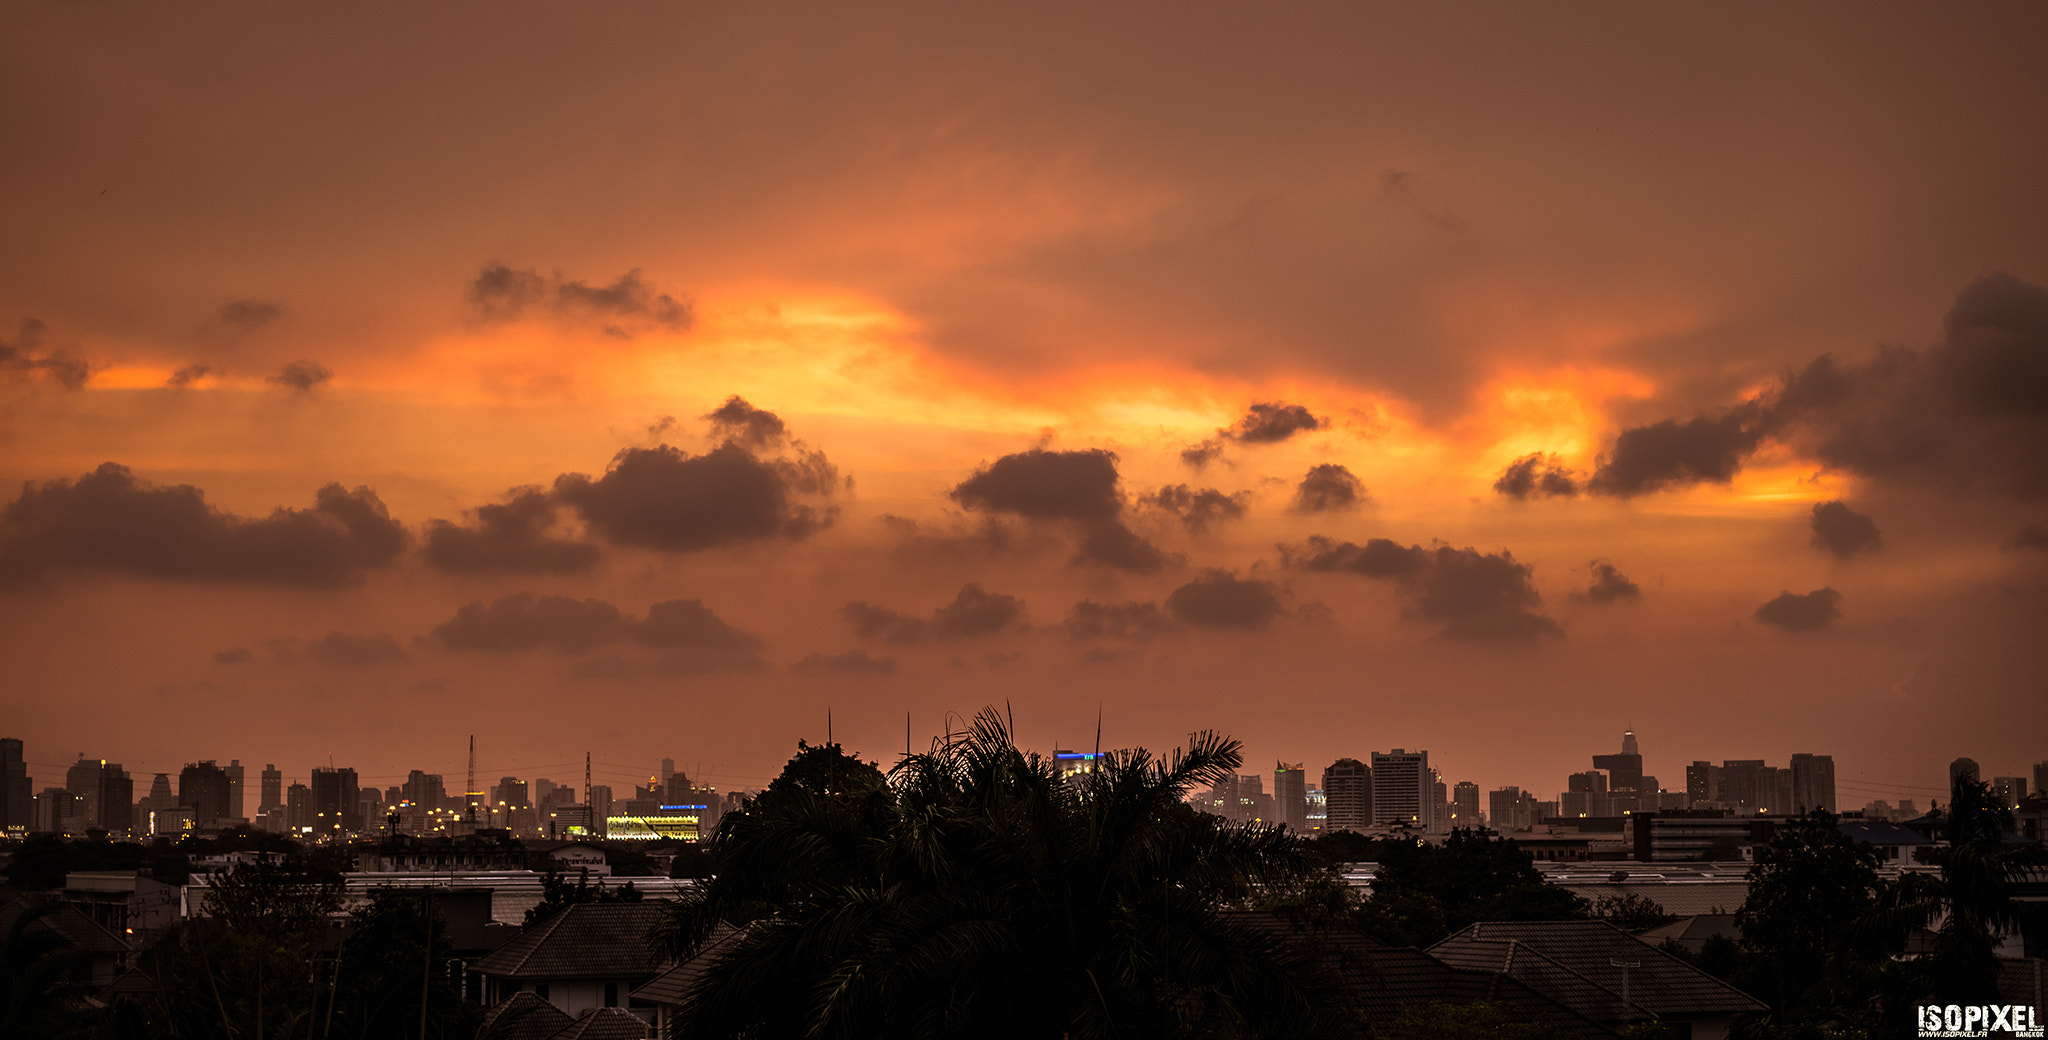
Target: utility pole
(586, 779)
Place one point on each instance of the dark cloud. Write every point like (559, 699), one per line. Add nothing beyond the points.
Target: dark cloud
(21, 358)
(1219, 599)
(1538, 475)
(1483, 597)
(974, 612)
(343, 650)
(1609, 585)
(691, 637)
(1272, 422)
(1844, 532)
(1329, 488)
(1670, 453)
(663, 498)
(2032, 536)
(249, 314)
(739, 421)
(302, 377)
(1200, 455)
(1133, 621)
(233, 655)
(852, 662)
(1801, 613)
(1196, 508)
(108, 520)
(625, 308)
(512, 537)
(189, 375)
(956, 540)
(1073, 486)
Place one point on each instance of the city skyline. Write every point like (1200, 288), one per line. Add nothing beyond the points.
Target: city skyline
(1340, 379)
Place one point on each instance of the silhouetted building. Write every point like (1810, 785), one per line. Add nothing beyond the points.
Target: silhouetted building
(298, 808)
(2011, 789)
(1403, 789)
(106, 795)
(273, 789)
(336, 802)
(2041, 778)
(1624, 778)
(1813, 783)
(1511, 809)
(1585, 795)
(203, 788)
(1347, 795)
(56, 812)
(1290, 796)
(238, 806)
(160, 796)
(1465, 805)
(1961, 768)
(17, 789)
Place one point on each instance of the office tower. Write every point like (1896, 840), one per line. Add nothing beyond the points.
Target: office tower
(511, 793)
(17, 790)
(237, 806)
(56, 811)
(298, 808)
(1347, 795)
(336, 802)
(116, 799)
(1585, 795)
(1402, 789)
(160, 796)
(1699, 784)
(1624, 778)
(273, 789)
(1961, 768)
(1440, 797)
(1290, 796)
(1628, 743)
(83, 780)
(543, 789)
(1512, 809)
(426, 791)
(1465, 805)
(1318, 811)
(600, 802)
(2009, 789)
(1813, 783)
(203, 788)
(2041, 777)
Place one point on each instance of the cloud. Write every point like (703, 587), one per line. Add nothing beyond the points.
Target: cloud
(233, 655)
(2032, 536)
(1609, 585)
(189, 375)
(739, 421)
(510, 537)
(1078, 487)
(691, 637)
(1200, 455)
(973, 612)
(108, 520)
(1801, 613)
(1219, 599)
(666, 499)
(343, 650)
(20, 357)
(852, 662)
(1329, 488)
(1842, 531)
(1670, 453)
(249, 314)
(1481, 597)
(627, 307)
(1272, 422)
(302, 377)
(1538, 475)
(1196, 508)
(1133, 621)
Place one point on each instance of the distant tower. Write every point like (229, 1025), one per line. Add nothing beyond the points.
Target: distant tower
(273, 789)
(1347, 796)
(1290, 797)
(1628, 742)
(1403, 789)
(17, 794)
(237, 807)
(1961, 768)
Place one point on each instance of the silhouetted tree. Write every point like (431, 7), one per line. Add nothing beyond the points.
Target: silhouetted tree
(1422, 892)
(1972, 901)
(38, 976)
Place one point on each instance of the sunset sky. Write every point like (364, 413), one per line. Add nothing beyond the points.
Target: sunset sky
(652, 379)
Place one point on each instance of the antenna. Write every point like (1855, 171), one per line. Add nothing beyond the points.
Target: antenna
(586, 779)
(469, 791)
(828, 725)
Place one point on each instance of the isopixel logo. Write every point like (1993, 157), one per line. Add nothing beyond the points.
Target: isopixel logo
(1979, 1020)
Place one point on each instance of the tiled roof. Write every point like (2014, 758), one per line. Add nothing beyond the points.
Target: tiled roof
(1587, 965)
(673, 985)
(1693, 932)
(583, 941)
(524, 1016)
(606, 1024)
(82, 932)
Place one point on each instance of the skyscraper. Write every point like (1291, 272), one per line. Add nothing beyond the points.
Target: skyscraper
(1347, 795)
(1624, 778)
(273, 789)
(1813, 783)
(1465, 805)
(1290, 796)
(336, 802)
(17, 790)
(203, 788)
(1403, 789)
(1961, 768)
(237, 806)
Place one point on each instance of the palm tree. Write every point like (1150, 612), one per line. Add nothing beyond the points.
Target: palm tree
(979, 893)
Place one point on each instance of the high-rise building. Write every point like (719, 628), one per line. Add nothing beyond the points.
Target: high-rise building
(1628, 742)
(1961, 768)
(116, 799)
(2010, 789)
(1699, 785)
(1347, 795)
(1624, 778)
(1585, 795)
(1813, 783)
(1403, 789)
(160, 795)
(83, 780)
(1290, 796)
(237, 805)
(203, 788)
(17, 789)
(1465, 805)
(273, 789)
(298, 808)
(2041, 777)
(336, 802)
(1512, 809)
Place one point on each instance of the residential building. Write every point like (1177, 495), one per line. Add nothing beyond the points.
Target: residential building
(1465, 805)
(1813, 783)
(1347, 795)
(1403, 789)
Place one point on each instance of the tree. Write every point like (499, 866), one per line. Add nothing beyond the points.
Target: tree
(38, 974)
(1809, 946)
(976, 892)
(1632, 913)
(1422, 892)
(557, 894)
(244, 966)
(1971, 903)
(396, 954)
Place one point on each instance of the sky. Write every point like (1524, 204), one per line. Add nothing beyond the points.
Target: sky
(661, 380)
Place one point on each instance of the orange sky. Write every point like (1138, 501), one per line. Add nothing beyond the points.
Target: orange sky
(443, 254)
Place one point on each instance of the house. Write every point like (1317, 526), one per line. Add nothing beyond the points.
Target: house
(586, 956)
(1603, 973)
(669, 989)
